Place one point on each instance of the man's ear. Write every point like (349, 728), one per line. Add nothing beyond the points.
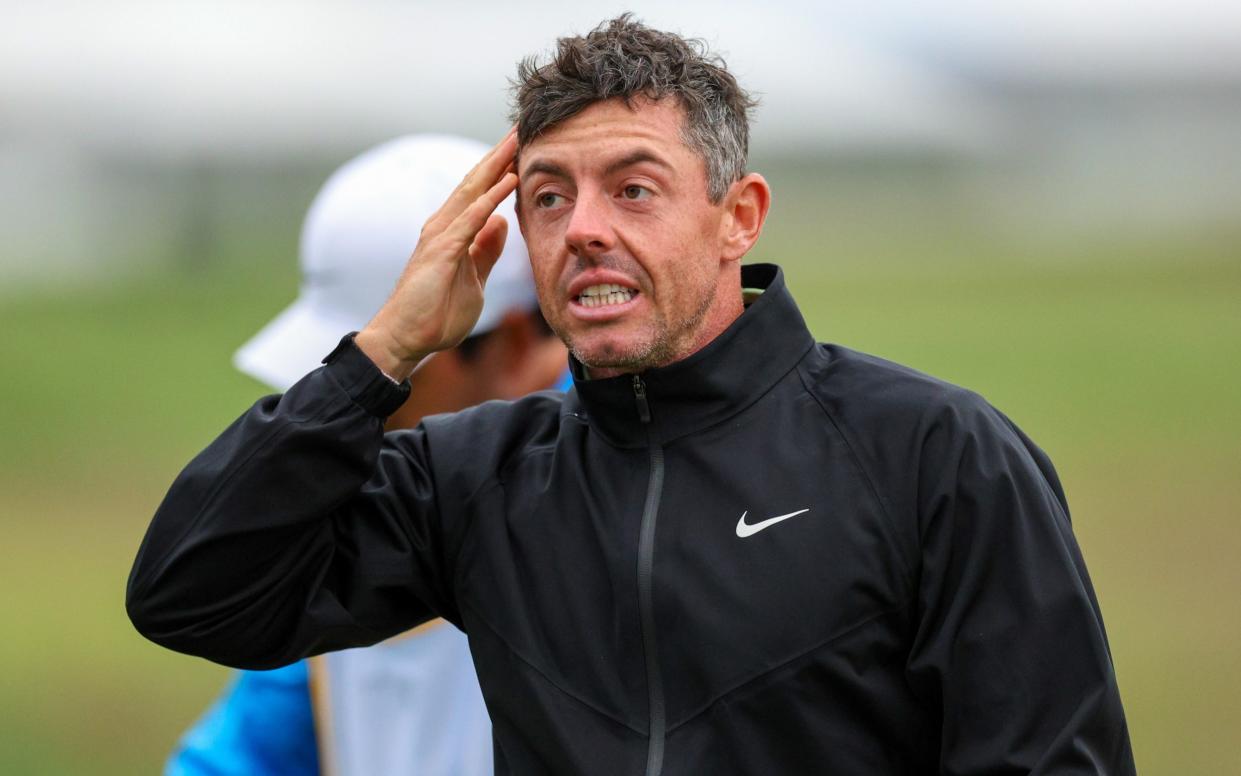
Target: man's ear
(746, 205)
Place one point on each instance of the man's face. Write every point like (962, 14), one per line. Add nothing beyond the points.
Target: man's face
(625, 244)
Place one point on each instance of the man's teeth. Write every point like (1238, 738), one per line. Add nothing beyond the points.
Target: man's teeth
(605, 294)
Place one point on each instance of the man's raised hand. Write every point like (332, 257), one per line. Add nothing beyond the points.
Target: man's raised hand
(440, 293)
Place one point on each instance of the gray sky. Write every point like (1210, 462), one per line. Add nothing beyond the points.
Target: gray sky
(87, 86)
(296, 78)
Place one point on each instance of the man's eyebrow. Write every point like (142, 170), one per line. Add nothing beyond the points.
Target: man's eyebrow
(639, 156)
(550, 168)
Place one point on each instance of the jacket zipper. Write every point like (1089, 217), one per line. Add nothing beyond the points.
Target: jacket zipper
(646, 606)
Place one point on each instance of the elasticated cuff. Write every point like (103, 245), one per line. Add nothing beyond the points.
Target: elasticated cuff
(365, 383)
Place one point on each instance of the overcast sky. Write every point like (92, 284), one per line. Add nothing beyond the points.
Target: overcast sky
(299, 77)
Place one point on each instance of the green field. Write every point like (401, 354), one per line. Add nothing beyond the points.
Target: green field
(1121, 357)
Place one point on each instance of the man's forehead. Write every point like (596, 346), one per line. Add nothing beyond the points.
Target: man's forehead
(609, 133)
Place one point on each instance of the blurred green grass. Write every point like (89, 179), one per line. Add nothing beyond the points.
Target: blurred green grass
(110, 391)
(1121, 357)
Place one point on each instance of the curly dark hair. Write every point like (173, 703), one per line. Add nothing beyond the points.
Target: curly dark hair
(623, 58)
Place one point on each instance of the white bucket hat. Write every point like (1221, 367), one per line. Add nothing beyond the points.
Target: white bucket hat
(358, 235)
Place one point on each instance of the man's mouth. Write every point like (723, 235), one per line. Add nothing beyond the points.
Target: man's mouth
(605, 294)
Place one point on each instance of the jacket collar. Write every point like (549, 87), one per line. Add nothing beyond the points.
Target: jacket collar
(732, 372)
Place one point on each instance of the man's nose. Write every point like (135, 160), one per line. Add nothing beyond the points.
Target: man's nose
(590, 229)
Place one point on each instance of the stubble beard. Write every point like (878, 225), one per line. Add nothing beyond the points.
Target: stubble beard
(667, 344)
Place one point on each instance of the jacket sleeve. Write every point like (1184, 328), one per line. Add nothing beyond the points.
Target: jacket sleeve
(302, 528)
(1009, 640)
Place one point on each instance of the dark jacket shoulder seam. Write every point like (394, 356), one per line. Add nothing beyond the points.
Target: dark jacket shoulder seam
(892, 525)
(491, 480)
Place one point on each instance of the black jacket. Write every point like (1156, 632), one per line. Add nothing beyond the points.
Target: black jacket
(632, 603)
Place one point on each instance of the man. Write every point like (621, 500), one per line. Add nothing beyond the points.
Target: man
(411, 704)
(727, 550)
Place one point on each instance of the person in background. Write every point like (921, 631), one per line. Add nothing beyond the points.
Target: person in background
(412, 703)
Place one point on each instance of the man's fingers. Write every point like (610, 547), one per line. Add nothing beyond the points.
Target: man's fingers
(490, 169)
(466, 226)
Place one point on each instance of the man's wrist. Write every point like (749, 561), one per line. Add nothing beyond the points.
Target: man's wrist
(396, 364)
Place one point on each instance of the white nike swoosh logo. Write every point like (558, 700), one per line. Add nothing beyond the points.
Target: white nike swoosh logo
(744, 529)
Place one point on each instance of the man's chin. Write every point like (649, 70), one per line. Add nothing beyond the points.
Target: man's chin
(611, 358)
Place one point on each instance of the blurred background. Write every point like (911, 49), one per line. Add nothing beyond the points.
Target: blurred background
(1038, 200)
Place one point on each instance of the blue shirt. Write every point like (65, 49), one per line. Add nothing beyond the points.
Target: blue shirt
(261, 726)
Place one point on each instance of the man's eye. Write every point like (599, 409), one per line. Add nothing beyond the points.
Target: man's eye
(636, 192)
(548, 199)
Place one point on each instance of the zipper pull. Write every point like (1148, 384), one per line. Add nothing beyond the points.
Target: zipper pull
(639, 393)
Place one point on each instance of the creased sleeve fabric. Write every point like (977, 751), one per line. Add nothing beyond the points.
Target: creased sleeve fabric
(302, 528)
(1009, 641)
